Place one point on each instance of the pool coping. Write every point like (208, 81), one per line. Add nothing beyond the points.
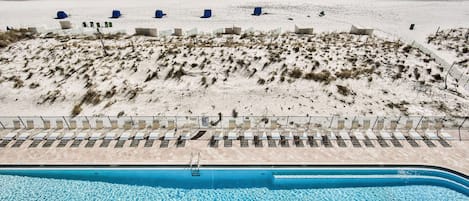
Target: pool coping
(244, 166)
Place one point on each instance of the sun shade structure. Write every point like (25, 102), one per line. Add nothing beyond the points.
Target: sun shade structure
(61, 15)
(207, 13)
(257, 11)
(159, 14)
(116, 14)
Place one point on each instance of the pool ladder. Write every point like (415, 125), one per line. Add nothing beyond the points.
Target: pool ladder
(195, 168)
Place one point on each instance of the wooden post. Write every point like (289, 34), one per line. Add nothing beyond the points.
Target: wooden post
(1, 124)
(66, 123)
(21, 120)
(460, 126)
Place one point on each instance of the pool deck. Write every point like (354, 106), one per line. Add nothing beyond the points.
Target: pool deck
(455, 157)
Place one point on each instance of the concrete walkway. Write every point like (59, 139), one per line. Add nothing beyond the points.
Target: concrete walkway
(455, 157)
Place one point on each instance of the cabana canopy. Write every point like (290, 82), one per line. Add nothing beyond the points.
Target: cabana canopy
(207, 13)
(61, 15)
(116, 14)
(159, 14)
(257, 11)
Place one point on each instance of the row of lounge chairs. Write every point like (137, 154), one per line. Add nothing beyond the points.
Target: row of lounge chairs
(232, 135)
(93, 136)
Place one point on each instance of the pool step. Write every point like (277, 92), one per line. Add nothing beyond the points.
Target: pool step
(357, 180)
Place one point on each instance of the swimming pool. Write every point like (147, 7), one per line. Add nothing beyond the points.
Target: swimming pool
(225, 183)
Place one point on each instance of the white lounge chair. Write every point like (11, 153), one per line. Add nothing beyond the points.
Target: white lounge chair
(154, 136)
(40, 136)
(139, 136)
(232, 136)
(318, 135)
(110, 136)
(385, 135)
(218, 135)
(304, 136)
(289, 136)
(81, 136)
(275, 135)
(359, 135)
(169, 136)
(124, 136)
(446, 136)
(414, 135)
(24, 136)
(371, 135)
(398, 135)
(431, 135)
(248, 136)
(331, 135)
(68, 136)
(95, 136)
(263, 136)
(53, 136)
(9, 136)
(186, 135)
(344, 135)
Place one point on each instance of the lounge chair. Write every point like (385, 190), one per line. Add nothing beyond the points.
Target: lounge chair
(124, 136)
(446, 136)
(9, 136)
(139, 136)
(232, 136)
(68, 136)
(263, 136)
(398, 135)
(331, 135)
(186, 135)
(95, 136)
(289, 136)
(218, 136)
(53, 136)
(414, 135)
(385, 135)
(359, 135)
(81, 136)
(23, 136)
(40, 136)
(304, 136)
(275, 135)
(344, 135)
(318, 135)
(248, 136)
(431, 135)
(153, 136)
(169, 136)
(110, 136)
(371, 135)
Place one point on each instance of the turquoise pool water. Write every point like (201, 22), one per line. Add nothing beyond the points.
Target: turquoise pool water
(231, 184)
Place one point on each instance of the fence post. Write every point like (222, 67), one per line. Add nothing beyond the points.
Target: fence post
(418, 123)
(21, 120)
(446, 76)
(66, 123)
(460, 126)
(374, 124)
(1, 124)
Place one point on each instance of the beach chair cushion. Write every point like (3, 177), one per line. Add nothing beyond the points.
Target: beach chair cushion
(9, 136)
(344, 135)
(139, 136)
(414, 135)
(398, 135)
(248, 136)
(371, 135)
(385, 135)
(153, 136)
